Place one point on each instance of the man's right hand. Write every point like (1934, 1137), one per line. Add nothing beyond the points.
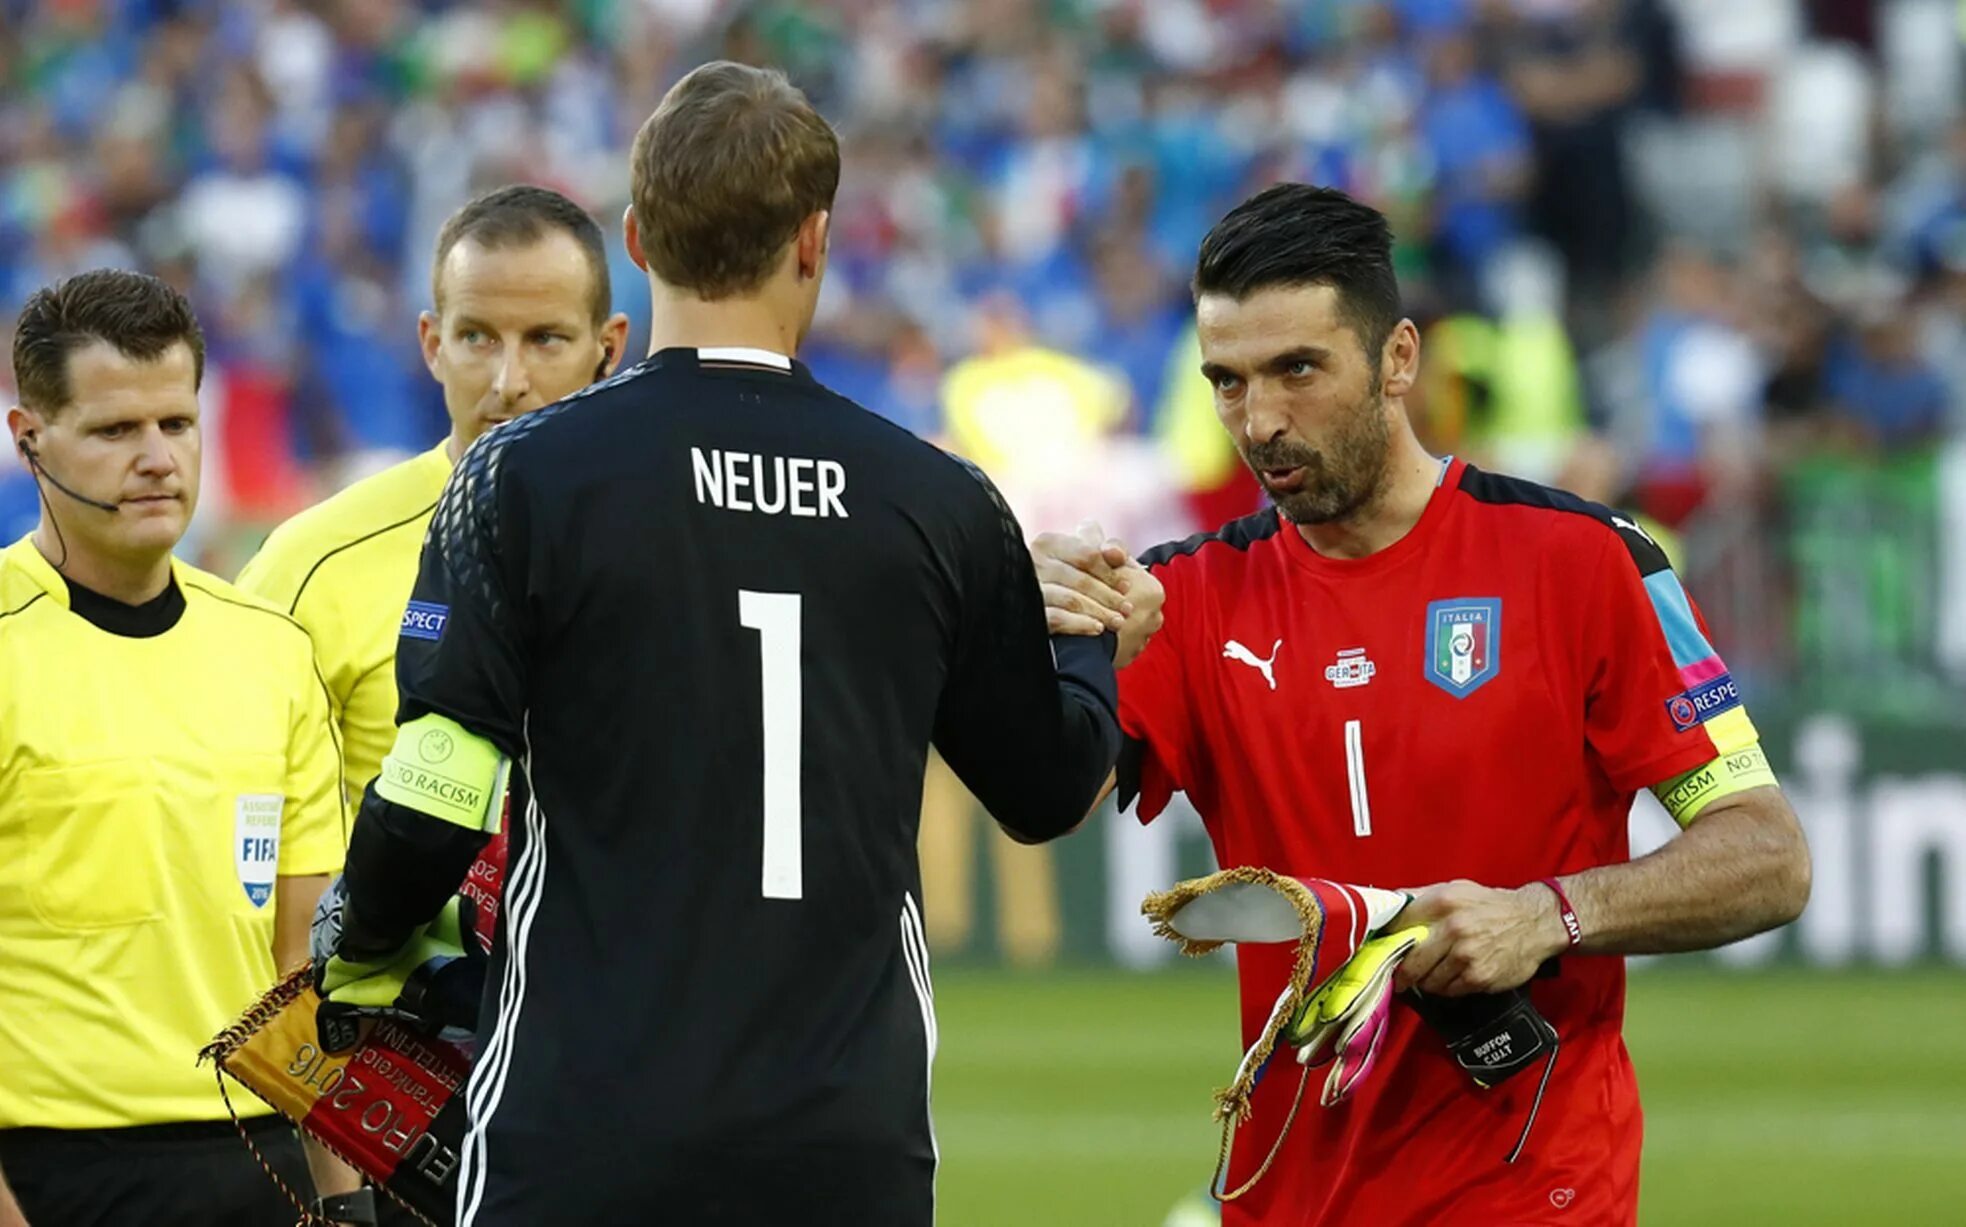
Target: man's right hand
(1091, 585)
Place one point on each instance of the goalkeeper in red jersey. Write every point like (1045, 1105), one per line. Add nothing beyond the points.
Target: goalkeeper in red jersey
(1412, 673)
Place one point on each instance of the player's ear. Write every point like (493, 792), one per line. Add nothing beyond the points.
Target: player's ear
(22, 424)
(631, 234)
(614, 343)
(1399, 361)
(430, 338)
(815, 233)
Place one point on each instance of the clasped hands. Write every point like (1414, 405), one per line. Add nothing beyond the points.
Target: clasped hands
(1092, 584)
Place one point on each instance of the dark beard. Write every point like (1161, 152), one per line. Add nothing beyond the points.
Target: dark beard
(1338, 480)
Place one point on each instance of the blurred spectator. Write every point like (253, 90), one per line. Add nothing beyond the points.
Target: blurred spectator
(1505, 391)
(1794, 333)
(1577, 67)
(1802, 163)
(1702, 381)
(244, 212)
(1140, 317)
(1879, 386)
(1475, 134)
(1029, 416)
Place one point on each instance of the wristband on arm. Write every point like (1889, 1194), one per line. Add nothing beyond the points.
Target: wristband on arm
(356, 1208)
(1572, 927)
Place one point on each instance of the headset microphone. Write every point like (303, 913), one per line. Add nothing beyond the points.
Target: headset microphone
(34, 462)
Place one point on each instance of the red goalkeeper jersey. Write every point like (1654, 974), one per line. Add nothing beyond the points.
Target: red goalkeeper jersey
(1479, 700)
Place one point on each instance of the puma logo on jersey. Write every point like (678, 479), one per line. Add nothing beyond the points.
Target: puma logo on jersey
(1235, 651)
(1632, 527)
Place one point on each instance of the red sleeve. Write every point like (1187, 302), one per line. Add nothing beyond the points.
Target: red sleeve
(1154, 710)
(1659, 700)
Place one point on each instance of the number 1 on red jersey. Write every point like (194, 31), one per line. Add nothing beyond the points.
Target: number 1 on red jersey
(1355, 773)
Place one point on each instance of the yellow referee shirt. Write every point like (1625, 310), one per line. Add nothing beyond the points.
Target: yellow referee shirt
(151, 790)
(344, 569)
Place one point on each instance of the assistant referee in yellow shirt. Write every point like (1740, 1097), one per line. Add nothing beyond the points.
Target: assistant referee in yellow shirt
(170, 792)
(521, 296)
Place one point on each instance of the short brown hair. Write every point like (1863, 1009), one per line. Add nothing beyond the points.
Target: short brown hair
(725, 171)
(518, 215)
(140, 315)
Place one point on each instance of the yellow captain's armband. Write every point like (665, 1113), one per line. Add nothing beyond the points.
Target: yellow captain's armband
(440, 768)
(1684, 796)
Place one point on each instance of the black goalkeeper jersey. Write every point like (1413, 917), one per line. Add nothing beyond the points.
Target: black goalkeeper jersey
(716, 614)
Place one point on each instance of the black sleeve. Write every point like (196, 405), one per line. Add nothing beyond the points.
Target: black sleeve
(462, 651)
(1028, 721)
(402, 867)
(461, 654)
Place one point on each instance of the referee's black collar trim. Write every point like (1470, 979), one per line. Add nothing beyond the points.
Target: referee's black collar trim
(146, 621)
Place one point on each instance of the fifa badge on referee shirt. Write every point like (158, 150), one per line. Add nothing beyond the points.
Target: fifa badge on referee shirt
(1464, 643)
(256, 843)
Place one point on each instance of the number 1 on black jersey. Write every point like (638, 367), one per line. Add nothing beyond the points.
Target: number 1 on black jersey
(776, 616)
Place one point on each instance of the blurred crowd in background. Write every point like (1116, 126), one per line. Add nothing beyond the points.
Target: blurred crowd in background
(1705, 260)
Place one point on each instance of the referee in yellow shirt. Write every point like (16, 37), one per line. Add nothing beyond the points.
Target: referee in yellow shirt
(521, 295)
(170, 793)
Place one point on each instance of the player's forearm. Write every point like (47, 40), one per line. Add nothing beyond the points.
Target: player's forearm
(1741, 868)
(331, 1175)
(1089, 743)
(402, 867)
(1042, 769)
(294, 900)
(424, 820)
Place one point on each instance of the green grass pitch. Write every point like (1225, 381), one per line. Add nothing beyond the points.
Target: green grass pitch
(1080, 1099)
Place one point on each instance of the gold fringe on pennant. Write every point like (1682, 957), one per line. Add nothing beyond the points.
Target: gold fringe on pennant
(227, 1043)
(257, 1015)
(1232, 1103)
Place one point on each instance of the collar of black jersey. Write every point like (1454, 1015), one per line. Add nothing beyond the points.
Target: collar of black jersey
(146, 621)
(739, 359)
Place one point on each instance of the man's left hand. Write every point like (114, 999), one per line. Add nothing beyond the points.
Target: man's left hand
(1479, 939)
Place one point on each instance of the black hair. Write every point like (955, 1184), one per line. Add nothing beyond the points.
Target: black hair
(1294, 234)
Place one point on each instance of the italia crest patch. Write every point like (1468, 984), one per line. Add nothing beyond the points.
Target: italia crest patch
(1464, 643)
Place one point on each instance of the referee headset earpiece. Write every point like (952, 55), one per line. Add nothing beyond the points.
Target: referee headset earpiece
(607, 360)
(25, 445)
(34, 467)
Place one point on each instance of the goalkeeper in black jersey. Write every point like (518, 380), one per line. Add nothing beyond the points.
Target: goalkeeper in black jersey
(712, 615)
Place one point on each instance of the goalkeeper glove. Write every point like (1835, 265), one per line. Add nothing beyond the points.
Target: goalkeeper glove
(1344, 1021)
(433, 981)
(1493, 1037)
